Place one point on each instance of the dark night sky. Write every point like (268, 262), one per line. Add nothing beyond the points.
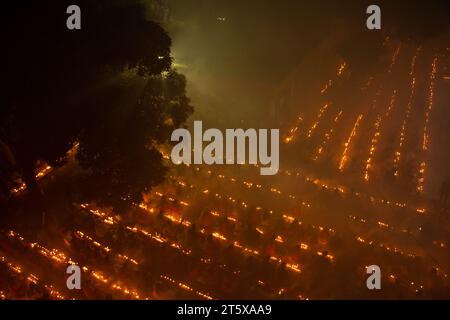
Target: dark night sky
(268, 37)
(234, 65)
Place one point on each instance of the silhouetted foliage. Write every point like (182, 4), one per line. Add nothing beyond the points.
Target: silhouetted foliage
(108, 86)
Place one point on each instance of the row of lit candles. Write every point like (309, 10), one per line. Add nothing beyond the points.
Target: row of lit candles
(379, 224)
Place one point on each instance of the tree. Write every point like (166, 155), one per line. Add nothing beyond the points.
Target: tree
(108, 86)
(119, 143)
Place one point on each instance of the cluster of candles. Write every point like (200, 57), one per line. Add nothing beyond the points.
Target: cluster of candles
(426, 134)
(293, 132)
(397, 154)
(29, 277)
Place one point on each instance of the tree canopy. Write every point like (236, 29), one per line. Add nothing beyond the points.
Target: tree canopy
(109, 87)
